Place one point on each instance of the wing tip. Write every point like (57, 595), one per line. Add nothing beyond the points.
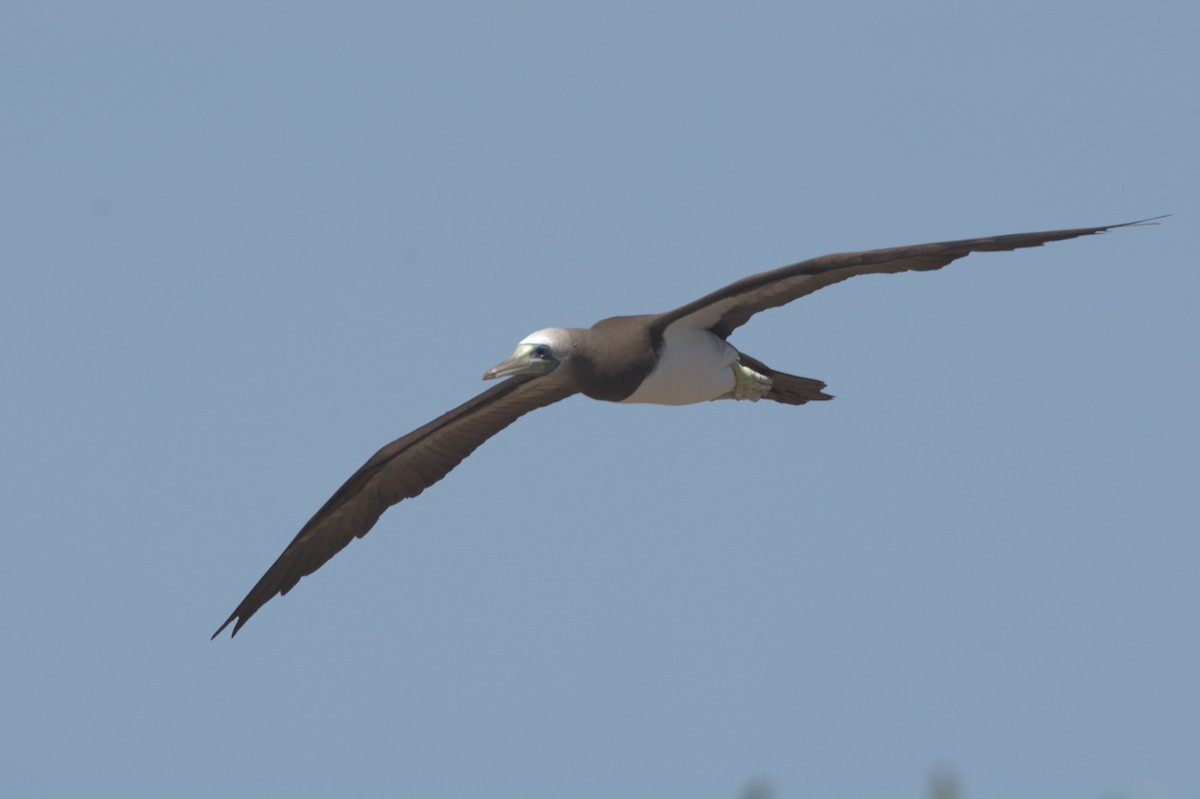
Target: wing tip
(1153, 220)
(236, 627)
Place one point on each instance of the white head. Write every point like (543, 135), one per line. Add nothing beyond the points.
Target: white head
(538, 354)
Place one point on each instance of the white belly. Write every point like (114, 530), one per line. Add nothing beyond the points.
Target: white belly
(693, 366)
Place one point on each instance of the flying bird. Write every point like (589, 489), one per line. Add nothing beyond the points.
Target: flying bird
(674, 358)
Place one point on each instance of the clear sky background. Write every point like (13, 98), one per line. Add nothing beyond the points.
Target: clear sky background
(245, 246)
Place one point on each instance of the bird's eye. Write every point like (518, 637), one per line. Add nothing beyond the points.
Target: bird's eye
(542, 351)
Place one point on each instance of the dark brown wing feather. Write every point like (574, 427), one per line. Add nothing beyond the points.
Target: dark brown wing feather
(401, 470)
(725, 310)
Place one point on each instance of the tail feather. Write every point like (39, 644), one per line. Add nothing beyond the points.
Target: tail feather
(785, 388)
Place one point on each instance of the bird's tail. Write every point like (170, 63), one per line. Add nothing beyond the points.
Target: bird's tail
(785, 388)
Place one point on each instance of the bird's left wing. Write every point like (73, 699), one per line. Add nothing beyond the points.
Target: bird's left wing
(401, 470)
(727, 309)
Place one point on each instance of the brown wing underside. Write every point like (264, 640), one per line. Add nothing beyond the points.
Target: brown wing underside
(725, 310)
(401, 470)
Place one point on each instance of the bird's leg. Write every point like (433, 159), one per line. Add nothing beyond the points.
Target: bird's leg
(748, 384)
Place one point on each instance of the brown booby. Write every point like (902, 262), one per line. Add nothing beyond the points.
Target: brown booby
(673, 358)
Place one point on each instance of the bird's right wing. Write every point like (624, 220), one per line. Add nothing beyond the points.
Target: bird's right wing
(725, 310)
(401, 470)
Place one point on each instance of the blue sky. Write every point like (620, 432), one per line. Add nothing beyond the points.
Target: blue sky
(245, 247)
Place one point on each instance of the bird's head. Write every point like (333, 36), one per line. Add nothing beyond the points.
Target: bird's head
(538, 353)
